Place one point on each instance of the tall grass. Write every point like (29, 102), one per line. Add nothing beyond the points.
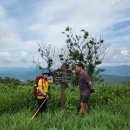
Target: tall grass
(109, 109)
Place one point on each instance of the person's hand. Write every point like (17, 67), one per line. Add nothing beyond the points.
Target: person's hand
(92, 91)
(47, 96)
(90, 84)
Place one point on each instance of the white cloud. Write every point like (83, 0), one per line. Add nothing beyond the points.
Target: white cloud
(98, 17)
(19, 35)
(125, 52)
(118, 56)
(13, 50)
(92, 14)
(2, 12)
(4, 58)
(16, 59)
(2, 54)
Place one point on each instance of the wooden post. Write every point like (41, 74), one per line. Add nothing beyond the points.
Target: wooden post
(62, 98)
(62, 76)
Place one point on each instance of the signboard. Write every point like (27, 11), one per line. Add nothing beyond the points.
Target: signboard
(60, 76)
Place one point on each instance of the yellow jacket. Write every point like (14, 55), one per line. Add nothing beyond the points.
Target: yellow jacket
(44, 84)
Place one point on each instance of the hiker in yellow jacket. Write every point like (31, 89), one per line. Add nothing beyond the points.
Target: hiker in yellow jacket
(42, 89)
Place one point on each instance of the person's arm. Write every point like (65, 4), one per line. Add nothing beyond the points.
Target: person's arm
(90, 84)
(41, 90)
(88, 81)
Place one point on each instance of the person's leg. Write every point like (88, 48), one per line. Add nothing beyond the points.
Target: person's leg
(83, 104)
(86, 107)
(82, 108)
(44, 108)
(87, 99)
(40, 101)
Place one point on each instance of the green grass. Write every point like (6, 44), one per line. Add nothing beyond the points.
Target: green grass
(109, 109)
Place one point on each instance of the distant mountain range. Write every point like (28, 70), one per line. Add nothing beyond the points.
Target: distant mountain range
(116, 79)
(114, 74)
(123, 70)
(20, 73)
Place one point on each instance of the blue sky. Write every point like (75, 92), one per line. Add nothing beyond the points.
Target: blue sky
(23, 23)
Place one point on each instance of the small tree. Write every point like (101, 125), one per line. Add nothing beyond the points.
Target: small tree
(64, 56)
(47, 53)
(86, 49)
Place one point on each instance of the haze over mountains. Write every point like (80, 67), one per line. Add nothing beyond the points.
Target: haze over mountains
(111, 74)
(123, 70)
(20, 73)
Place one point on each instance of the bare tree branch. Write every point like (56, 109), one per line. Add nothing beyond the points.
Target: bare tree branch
(47, 53)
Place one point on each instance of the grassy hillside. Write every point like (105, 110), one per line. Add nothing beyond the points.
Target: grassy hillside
(109, 109)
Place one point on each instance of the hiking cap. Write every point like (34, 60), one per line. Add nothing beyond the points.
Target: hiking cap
(46, 71)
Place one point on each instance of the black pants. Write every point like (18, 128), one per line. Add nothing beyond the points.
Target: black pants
(44, 106)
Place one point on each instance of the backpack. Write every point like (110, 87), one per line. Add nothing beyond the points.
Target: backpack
(35, 92)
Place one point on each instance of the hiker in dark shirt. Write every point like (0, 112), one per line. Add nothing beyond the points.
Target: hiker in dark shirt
(85, 86)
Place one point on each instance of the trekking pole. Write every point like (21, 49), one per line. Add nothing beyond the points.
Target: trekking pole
(38, 110)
